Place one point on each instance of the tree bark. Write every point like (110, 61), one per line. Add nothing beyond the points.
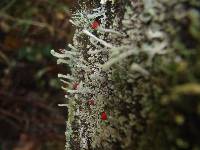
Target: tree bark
(134, 90)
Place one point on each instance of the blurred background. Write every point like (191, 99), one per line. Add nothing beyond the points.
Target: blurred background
(30, 118)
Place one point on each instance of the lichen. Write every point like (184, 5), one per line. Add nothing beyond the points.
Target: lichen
(137, 67)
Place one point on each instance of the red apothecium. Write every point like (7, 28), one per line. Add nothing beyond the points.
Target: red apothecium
(95, 25)
(103, 116)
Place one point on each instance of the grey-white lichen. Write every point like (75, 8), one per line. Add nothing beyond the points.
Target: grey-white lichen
(120, 39)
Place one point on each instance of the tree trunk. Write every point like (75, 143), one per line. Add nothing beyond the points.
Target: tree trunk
(130, 87)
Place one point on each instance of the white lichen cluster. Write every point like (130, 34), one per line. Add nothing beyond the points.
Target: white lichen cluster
(89, 88)
(86, 102)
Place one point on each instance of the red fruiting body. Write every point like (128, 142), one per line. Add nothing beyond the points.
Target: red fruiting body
(75, 86)
(91, 102)
(95, 25)
(103, 116)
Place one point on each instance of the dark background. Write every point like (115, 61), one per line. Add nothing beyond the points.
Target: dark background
(29, 90)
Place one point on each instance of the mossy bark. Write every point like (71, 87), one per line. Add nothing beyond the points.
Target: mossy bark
(149, 85)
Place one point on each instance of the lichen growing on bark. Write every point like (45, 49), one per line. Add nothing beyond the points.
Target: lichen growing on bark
(134, 81)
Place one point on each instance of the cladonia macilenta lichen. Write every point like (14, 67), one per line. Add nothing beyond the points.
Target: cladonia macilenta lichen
(92, 54)
(94, 51)
(112, 61)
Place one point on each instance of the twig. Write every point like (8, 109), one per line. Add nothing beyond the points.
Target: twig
(8, 6)
(5, 58)
(28, 22)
